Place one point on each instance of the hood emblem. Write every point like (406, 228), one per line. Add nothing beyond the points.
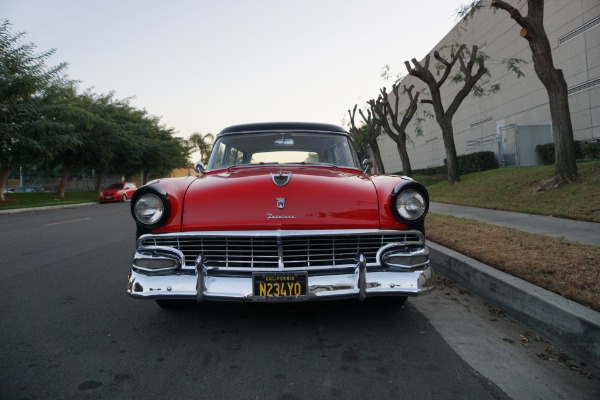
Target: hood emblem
(280, 202)
(281, 178)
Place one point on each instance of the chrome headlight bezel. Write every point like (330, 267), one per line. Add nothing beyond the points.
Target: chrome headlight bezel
(150, 206)
(409, 203)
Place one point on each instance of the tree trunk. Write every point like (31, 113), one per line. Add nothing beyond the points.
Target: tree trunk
(406, 168)
(99, 181)
(444, 120)
(558, 99)
(63, 181)
(377, 153)
(4, 173)
(451, 157)
(562, 131)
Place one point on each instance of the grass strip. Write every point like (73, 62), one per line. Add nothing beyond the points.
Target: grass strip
(515, 189)
(44, 199)
(558, 265)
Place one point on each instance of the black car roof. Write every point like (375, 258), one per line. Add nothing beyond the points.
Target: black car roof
(283, 126)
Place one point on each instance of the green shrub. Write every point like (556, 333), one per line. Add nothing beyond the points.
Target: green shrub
(467, 164)
(584, 150)
(546, 153)
(477, 162)
(432, 171)
(590, 150)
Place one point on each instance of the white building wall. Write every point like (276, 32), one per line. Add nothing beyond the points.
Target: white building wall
(520, 101)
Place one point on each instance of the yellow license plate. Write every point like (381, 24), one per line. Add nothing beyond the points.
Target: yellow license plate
(279, 286)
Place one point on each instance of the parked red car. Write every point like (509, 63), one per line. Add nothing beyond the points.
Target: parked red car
(283, 212)
(121, 191)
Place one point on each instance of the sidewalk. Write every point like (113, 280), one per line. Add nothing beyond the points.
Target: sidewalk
(571, 326)
(575, 231)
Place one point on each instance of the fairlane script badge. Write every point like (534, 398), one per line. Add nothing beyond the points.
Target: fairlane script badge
(280, 216)
(281, 178)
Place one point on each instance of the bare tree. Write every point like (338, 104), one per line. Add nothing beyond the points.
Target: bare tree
(553, 80)
(357, 135)
(366, 136)
(373, 132)
(468, 75)
(388, 117)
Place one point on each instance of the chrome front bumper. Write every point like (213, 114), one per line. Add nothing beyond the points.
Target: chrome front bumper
(389, 276)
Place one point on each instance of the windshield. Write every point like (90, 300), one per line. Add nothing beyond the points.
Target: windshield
(115, 186)
(282, 148)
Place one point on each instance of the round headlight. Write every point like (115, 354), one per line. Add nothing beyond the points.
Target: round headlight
(411, 205)
(149, 209)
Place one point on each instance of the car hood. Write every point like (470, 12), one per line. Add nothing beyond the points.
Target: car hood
(249, 198)
(111, 191)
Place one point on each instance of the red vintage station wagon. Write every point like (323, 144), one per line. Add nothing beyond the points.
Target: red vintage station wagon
(282, 212)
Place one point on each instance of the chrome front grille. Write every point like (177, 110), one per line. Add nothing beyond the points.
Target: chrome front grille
(239, 250)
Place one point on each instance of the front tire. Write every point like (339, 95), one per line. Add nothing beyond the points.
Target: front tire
(398, 300)
(389, 300)
(171, 304)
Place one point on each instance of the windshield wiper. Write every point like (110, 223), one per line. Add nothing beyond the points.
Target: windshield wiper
(315, 163)
(260, 164)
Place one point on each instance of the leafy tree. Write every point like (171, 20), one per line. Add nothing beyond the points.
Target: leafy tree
(44, 120)
(110, 136)
(161, 151)
(85, 126)
(135, 125)
(552, 78)
(143, 145)
(203, 143)
(471, 68)
(27, 86)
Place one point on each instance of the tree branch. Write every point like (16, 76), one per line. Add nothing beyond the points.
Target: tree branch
(384, 110)
(514, 13)
(448, 65)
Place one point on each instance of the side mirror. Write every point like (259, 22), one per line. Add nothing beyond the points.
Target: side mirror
(199, 167)
(367, 165)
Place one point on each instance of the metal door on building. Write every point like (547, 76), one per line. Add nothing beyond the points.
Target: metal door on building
(508, 146)
(518, 144)
(528, 138)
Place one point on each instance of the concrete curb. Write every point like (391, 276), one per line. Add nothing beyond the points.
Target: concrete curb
(570, 325)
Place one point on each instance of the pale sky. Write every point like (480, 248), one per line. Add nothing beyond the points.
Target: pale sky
(203, 65)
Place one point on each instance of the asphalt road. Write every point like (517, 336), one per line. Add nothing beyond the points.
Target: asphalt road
(69, 331)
